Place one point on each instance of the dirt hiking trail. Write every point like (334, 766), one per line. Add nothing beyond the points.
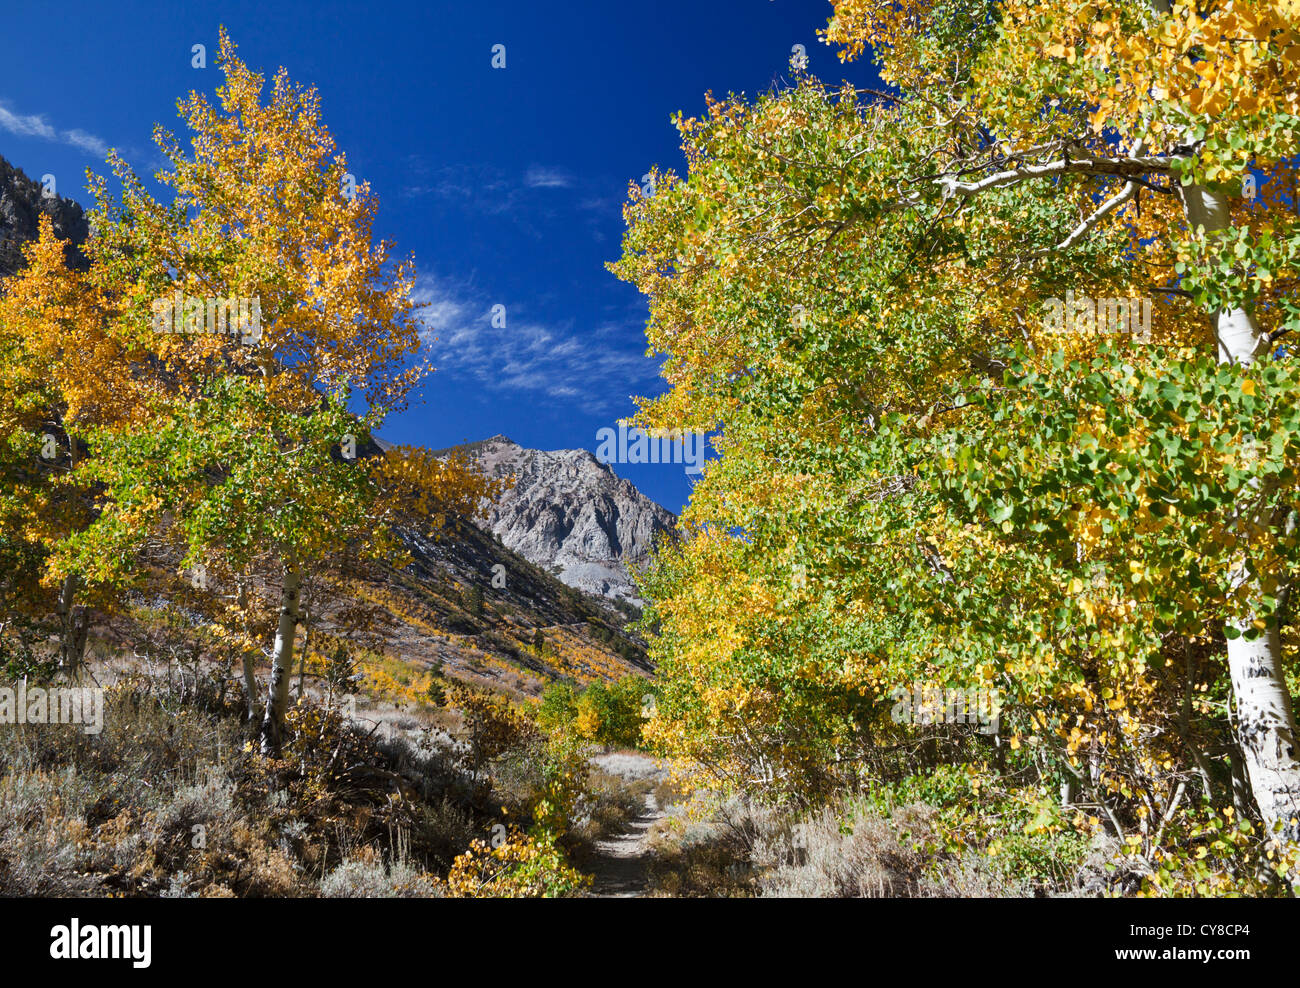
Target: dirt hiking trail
(620, 869)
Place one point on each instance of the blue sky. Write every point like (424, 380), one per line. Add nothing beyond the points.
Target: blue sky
(505, 184)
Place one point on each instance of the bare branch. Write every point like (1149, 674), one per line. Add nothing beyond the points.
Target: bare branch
(1088, 225)
(1084, 165)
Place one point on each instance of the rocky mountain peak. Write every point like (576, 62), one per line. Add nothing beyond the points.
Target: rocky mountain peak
(572, 515)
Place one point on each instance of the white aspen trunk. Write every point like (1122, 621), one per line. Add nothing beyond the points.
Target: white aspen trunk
(1266, 720)
(1239, 336)
(1266, 729)
(277, 697)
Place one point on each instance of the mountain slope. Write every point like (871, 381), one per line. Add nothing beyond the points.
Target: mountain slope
(22, 201)
(465, 609)
(490, 615)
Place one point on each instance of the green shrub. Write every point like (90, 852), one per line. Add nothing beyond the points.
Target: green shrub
(558, 706)
(612, 713)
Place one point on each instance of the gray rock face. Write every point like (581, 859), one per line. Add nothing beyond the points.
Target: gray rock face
(569, 511)
(21, 204)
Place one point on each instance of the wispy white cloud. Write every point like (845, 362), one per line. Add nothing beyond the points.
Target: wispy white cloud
(539, 177)
(534, 201)
(442, 314)
(35, 125)
(87, 142)
(484, 188)
(479, 188)
(592, 368)
(32, 126)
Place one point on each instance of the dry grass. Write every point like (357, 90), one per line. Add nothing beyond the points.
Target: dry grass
(367, 875)
(171, 799)
(714, 847)
(859, 854)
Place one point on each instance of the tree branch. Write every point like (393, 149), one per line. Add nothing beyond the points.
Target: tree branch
(1124, 167)
(1088, 225)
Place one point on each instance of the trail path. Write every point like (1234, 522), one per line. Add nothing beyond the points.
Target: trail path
(620, 869)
